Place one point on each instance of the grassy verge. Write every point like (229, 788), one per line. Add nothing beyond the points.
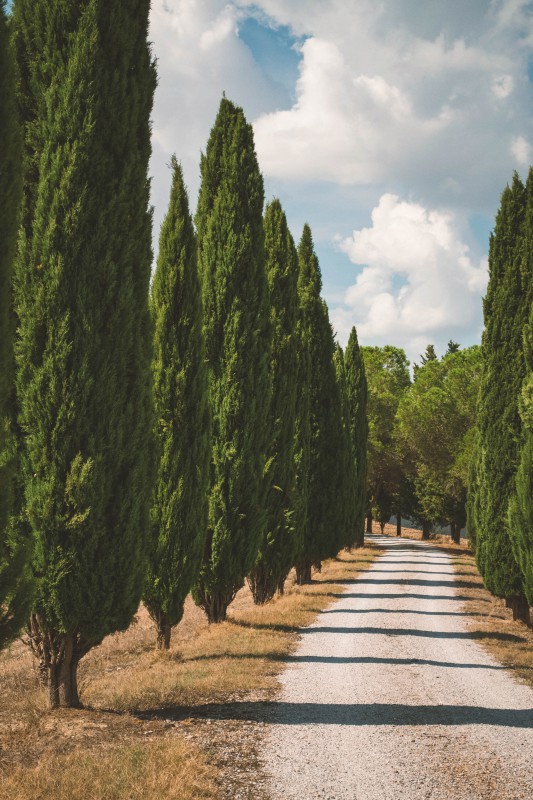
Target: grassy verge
(486, 617)
(145, 730)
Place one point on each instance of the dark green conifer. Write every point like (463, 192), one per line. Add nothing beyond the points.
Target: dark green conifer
(521, 502)
(279, 545)
(506, 309)
(84, 347)
(14, 574)
(357, 397)
(323, 512)
(347, 483)
(231, 260)
(179, 511)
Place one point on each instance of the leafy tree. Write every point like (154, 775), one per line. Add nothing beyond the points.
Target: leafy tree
(436, 420)
(347, 487)
(14, 574)
(179, 511)
(387, 374)
(324, 516)
(356, 388)
(453, 347)
(506, 310)
(231, 260)
(84, 347)
(280, 543)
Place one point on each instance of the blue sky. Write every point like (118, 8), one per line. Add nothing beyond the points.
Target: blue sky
(391, 127)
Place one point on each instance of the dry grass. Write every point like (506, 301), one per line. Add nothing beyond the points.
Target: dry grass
(145, 710)
(486, 616)
(165, 769)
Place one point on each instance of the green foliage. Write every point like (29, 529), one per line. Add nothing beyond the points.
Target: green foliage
(231, 261)
(280, 543)
(179, 511)
(356, 389)
(82, 277)
(14, 546)
(506, 309)
(323, 530)
(387, 374)
(347, 487)
(436, 425)
(521, 502)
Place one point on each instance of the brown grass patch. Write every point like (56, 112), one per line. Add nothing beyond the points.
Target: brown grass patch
(137, 700)
(165, 769)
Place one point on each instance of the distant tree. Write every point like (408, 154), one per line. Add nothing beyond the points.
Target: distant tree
(347, 483)
(323, 512)
(280, 541)
(84, 336)
(435, 422)
(387, 374)
(356, 388)
(506, 310)
(428, 355)
(14, 546)
(179, 509)
(453, 347)
(231, 258)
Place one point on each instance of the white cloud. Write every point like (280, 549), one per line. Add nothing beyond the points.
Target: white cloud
(418, 283)
(383, 98)
(521, 150)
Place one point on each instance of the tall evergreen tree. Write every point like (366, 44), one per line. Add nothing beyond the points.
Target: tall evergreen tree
(356, 388)
(84, 347)
(14, 574)
(179, 511)
(521, 504)
(347, 477)
(506, 309)
(231, 260)
(323, 522)
(280, 542)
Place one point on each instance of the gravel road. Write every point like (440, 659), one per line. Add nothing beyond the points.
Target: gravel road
(388, 697)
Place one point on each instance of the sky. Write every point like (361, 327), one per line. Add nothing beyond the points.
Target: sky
(390, 126)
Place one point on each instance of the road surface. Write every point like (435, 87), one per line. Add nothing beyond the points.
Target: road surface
(389, 698)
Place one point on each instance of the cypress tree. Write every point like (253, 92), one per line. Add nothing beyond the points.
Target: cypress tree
(356, 389)
(506, 308)
(179, 511)
(231, 260)
(324, 516)
(521, 505)
(279, 545)
(347, 484)
(14, 577)
(84, 347)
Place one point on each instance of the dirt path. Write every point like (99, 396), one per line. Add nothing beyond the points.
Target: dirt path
(389, 697)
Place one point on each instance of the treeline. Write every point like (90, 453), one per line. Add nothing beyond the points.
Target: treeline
(421, 434)
(155, 440)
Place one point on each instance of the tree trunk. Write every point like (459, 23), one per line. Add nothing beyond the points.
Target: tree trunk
(398, 524)
(426, 530)
(520, 608)
(303, 573)
(382, 526)
(164, 632)
(455, 532)
(53, 686)
(369, 522)
(262, 584)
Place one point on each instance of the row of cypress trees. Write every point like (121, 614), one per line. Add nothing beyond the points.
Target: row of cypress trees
(151, 442)
(499, 519)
